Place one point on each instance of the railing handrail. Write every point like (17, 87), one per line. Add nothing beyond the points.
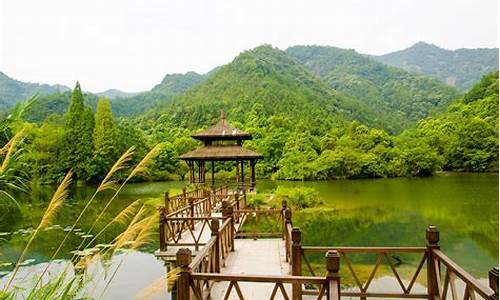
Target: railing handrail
(260, 278)
(478, 287)
(202, 253)
(191, 218)
(356, 249)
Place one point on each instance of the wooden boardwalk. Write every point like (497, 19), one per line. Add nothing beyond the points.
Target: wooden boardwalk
(252, 257)
(222, 253)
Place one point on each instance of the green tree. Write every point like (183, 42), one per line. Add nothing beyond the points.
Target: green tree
(103, 140)
(77, 142)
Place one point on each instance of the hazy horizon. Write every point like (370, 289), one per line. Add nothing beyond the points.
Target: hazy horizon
(130, 47)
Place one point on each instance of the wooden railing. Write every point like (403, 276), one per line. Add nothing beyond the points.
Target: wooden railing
(382, 254)
(177, 202)
(437, 287)
(196, 283)
(442, 285)
(198, 207)
(199, 274)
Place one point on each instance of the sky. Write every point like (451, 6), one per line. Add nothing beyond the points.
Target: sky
(130, 44)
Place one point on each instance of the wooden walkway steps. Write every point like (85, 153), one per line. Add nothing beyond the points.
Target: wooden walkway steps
(250, 257)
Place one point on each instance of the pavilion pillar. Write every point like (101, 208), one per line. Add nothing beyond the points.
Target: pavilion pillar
(199, 171)
(191, 171)
(203, 172)
(242, 173)
(237, 171)
(252, 173)
(213, 173)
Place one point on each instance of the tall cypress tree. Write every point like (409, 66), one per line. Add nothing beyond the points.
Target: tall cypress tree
(86, 149)
(104, 138)
(77, 145)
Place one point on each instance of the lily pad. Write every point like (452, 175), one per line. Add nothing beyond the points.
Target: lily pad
(27, 262)
(7, 264)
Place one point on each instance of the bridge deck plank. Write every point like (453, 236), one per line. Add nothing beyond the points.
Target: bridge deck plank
(251, 257)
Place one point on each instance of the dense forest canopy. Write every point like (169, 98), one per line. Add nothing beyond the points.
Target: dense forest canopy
(304, 128)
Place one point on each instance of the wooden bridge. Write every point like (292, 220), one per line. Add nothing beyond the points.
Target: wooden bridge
(226, 251)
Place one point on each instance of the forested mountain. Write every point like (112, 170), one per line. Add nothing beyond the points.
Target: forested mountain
(460, 68)
(303, 128)
(267, 82)
(114, 93)
(402, 97)
(54, 104)
(172, 84)
(466, 134)
(12, 91)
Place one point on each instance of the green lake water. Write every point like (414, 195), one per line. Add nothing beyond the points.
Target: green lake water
(374, 212)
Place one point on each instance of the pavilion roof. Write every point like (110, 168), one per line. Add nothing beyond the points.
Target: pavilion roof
(222, 131)
(221, 152)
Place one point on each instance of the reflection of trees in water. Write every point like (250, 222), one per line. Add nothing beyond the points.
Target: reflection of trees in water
(472, 242)
(32, 207)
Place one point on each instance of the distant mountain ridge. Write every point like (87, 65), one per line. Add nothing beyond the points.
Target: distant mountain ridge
(171, 85)
(398, 96)
(461, 68)
(12, 91)
(114, 93)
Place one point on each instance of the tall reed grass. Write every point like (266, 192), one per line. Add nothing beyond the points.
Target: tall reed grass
(137, 219)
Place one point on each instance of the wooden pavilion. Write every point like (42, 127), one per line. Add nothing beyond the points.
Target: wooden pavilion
(222, 142)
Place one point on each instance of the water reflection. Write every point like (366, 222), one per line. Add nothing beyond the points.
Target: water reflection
(382, 212)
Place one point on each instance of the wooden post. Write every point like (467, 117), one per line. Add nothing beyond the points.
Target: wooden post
(283, 223)
(202, 172)
(191, 212)
(237, 200)
(493, 278)
(182, 260)
(163, 239)
(214, 227)
(213, 173)
(432, 237)
(332, 259)
(252, 173)
(288, 216)
(242, 174)
(288, 220)
(223, 207)
(227, 213)
(230, 212)
(237, 171)
(244, 199)
(184, 194)
(167, 203)
(296, 262)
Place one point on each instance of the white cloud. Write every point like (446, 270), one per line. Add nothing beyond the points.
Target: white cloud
(131, 45)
